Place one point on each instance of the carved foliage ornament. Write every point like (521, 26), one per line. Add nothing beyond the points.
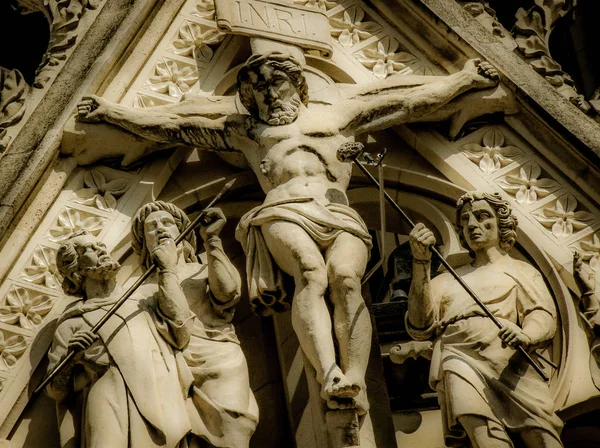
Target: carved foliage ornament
(64, 17)
(11, 349)
(13, 97)
(173, 78)
(25, 308)
(196, 41)
(563, 217)
(384, 59)
(42, 270)
(528, 186)
(100, 193)
(349, 28)
(492, 155)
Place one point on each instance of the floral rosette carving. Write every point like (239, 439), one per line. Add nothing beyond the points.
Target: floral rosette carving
(196, 42)
(70, 221)
(42, 269)
(563, 219)
(172, 78)
(349, 28)
(24, 309)
(492, 155)
(527, 187)
(100, 193)
(11, 349)
(13, 96)
(384, 59)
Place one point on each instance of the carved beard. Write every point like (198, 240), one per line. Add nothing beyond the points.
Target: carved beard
(103, 269)
(287, 113)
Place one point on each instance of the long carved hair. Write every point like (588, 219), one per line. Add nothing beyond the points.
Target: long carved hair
(181, 220)
(507, 222)
(279, 61)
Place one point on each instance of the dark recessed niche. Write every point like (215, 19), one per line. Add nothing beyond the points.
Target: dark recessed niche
(23, 40)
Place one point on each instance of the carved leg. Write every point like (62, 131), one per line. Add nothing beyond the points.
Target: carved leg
(298, 255)
(539, 438)
(343, 428)
(106, 422)
(479, 435)
(346, 261)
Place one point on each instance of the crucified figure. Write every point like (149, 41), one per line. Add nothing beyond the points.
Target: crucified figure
(305, 227)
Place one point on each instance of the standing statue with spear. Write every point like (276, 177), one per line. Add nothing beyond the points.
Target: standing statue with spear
(118, 368)
(486, 318)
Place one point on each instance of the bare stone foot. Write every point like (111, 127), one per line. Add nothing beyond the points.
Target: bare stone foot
(484, 74)
(338, 386)
(360, 403)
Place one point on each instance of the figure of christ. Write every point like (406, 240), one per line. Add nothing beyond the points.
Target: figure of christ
(122, 389)
(305, 226)
(487, 391)
(221, 407)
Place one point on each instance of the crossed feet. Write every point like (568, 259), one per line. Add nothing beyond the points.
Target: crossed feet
(340, 393)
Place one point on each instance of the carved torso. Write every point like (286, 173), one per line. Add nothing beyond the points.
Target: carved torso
(298, 159)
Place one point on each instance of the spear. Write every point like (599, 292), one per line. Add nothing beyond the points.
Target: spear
(350, 152)
(134, 287)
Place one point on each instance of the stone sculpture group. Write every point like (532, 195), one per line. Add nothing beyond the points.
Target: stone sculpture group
(306, 229)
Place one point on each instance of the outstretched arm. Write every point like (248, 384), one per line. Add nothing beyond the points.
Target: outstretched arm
(405, 99)
(195, 122)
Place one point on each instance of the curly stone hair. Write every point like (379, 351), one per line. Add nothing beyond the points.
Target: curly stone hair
(67, 262)
(181, 220)
(279, 61)
(507, 222)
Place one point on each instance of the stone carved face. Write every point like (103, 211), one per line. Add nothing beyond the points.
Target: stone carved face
(159, 226)
(479, 225)
(276, 97)
(93, 259)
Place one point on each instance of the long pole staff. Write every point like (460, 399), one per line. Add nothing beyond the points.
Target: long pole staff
(134, 287)
(354, 157)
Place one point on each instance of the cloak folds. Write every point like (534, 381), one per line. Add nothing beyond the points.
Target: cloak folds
(323, 223)
(473, 373)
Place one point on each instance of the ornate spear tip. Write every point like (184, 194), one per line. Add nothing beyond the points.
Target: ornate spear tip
(349, 151)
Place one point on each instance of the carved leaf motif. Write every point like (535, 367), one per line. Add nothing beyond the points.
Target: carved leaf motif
(71, 221)
(592, 252)
(64, 17)
(11, 349)
(532, 35)
(383, 59)
(197, 43)
(13, 96)
(173, 79)
(42, 269)
(99, 193)
(205, 9)
(143, 101)
(349, 28)
(527, 187)
(22, 309)
(492, 156)
(563, 219)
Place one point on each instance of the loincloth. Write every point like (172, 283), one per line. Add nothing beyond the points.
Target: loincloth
(323, 223)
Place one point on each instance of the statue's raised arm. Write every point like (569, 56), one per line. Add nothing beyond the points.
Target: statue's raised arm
(196, 121)
(409, 98)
